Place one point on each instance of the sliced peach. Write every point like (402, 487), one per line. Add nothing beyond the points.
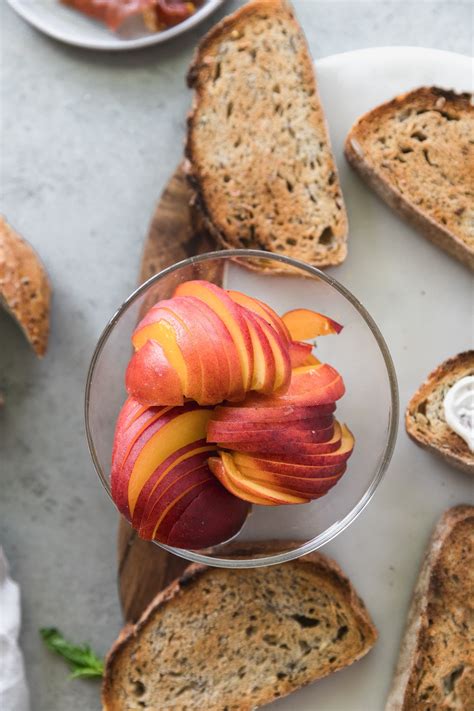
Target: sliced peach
(264, 369)
(218, 428)
(128, 443)
(276, 413)
(262, 438)
(232, 316)
(304, 472)
(217, 467)
(217, 350)
(310, 386)
(263, 310)
(304, 324)
(178, 349)
(169, 492)
(214, 516)
(188, 427)
(299, 353)
(281, 356)
(184, 460)
(176, 504)
(152, 379)
(302, 465)
(248, 487)
(305, 486)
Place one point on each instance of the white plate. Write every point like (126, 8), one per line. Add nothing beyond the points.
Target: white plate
(422, 301)
(70, 26)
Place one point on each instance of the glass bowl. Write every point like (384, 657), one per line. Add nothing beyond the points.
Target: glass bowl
(369, 407)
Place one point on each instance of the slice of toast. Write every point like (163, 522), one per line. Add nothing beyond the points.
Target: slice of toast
(237, 639)
(417, 153)
(436, 665)
(25, 290)
(258, 149)
(424, 417)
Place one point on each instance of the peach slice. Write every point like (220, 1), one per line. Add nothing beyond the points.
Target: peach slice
(310, 385)
(306, 486)
(300, 353)
(304, 472)
(302, 466)
(129, 440)
(216, 465)
(212, 346)
(263, 310)
(232, 316)
(169, 492)
(262, 438)
(219, 429)
(284, 413)
(187, 427)
(152, 379)
(304, 324)
(248, 487)
(184, 460)
(281, 356)
(214, 516)
(168, 330)
(264, 369)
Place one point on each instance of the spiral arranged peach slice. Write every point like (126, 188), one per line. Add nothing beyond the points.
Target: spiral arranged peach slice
(160, 479)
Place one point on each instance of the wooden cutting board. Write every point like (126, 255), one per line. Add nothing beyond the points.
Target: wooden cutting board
(143, 567)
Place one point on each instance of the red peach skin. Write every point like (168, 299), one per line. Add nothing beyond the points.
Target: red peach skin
(262, 438)
(284, 413)
(151, 379)
(212, 517)
(232, 316)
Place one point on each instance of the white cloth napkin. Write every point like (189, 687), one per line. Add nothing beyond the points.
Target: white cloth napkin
(14, 694)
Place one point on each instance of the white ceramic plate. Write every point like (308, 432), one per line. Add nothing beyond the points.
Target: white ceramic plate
(70, 26)
(422, 301)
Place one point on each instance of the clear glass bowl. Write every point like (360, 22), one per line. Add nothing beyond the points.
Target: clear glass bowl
(369, 407)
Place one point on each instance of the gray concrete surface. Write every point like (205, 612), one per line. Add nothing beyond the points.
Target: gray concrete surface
(87, 142)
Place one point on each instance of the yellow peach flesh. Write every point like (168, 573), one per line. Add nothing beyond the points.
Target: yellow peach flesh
(164, 334)
(179, 432)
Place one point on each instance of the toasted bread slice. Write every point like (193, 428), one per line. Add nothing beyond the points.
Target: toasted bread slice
(236, 639)
(436, 665)
(258, 149)
(424, 417)
(25, 290)
(417, 153)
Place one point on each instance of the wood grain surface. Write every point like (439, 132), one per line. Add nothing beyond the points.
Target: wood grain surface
(143, 567)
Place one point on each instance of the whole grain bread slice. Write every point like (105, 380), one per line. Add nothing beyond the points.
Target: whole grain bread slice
(25, 289)
(417, 153)
(424, 417)
(436, 665)
(221, 639)
(258, 150)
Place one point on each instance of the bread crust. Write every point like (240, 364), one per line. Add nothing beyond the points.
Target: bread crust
(202, 57)
(455, 452)
(417, 620)
(326, 565)
(25, 290)
(433, 230)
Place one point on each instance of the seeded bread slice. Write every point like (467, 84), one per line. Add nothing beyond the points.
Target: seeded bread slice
(417, 153)
(436, 665)
(25, 290)
(258, 148)
(220, 639)
(424, 417)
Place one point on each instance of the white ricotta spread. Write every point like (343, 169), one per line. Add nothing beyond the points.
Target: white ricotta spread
(459, 409)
